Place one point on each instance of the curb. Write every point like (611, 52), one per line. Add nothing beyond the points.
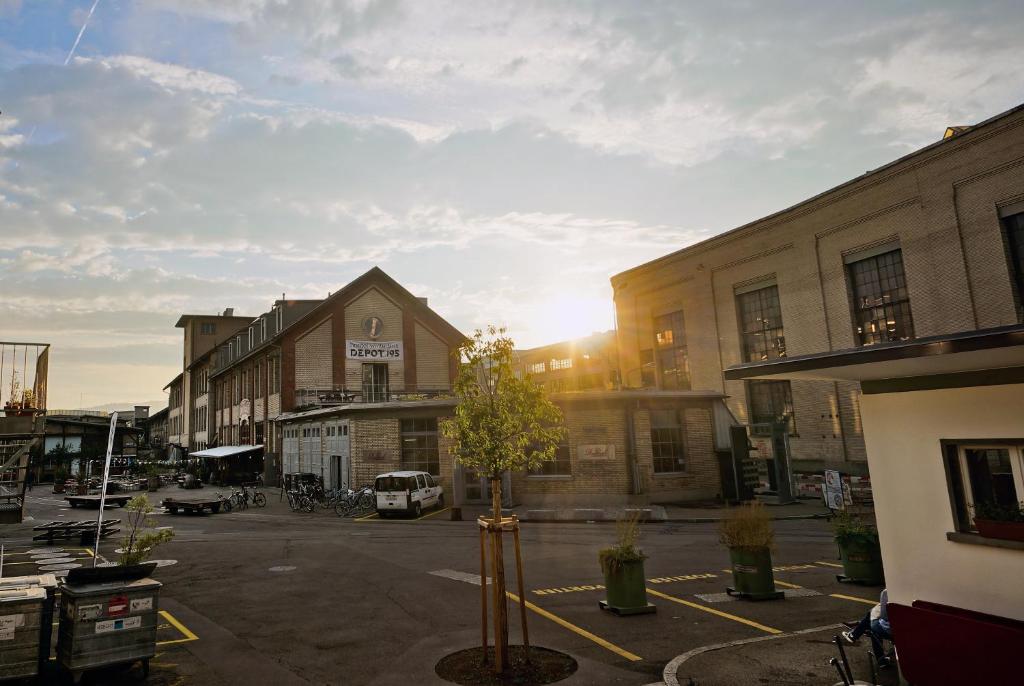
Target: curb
(669, 674)
(678, 520)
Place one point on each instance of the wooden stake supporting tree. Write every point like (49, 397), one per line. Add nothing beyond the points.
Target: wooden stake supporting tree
(503, 423)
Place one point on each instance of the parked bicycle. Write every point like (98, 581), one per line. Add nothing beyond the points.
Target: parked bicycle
(225, 503)
(356, 502)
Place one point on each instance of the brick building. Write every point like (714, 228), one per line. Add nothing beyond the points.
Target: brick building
(930, 244)
(621, 446)
(582, 364)
(371, 344)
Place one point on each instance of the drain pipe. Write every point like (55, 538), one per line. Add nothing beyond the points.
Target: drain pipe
(634, 470)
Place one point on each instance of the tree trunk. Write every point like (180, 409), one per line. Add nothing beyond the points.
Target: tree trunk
(500, 599)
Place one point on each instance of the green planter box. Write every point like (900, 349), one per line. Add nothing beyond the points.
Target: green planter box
(626, 590)
(862, 562)
(752, 575)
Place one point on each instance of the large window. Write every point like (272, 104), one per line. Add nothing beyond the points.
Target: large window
(564, 363)
(881, 302)
(770, 401)
(648, 377)
(667, 442)
(561, 465)
(419, 445)
(207, 329)
(1014, 226)
(983, 478)
(375, 382)
(761, 324)
(275, 375)
(670, 338)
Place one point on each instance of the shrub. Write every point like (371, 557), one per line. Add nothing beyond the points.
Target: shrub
(849, 528)
(999, 513)
(747, 526)
(627, 531)
(139, 542)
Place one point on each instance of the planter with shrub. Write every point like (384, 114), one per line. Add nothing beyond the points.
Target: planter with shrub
(1005, 522)
(749, 534)
(858, 549)
(623, 567)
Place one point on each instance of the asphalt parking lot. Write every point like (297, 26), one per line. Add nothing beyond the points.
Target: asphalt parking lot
(267, 596)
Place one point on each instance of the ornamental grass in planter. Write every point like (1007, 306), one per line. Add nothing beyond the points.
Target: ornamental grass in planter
(623, 567)
(1005, 522)
(858, 549)
(749, 534)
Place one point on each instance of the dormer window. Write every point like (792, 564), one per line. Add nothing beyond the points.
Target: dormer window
(263, 328)
(252, 334)
(279, 312)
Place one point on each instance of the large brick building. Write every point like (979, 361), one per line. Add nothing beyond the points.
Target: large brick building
(370, 344)
(932, 243)
(581, 364)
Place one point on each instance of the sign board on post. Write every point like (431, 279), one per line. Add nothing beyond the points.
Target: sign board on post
(382, 351)
(834, 490)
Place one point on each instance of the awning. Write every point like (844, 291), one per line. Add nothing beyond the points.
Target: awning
(969, 358)
(226, 451)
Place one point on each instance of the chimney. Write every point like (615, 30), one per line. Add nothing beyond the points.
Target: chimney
(229, 312)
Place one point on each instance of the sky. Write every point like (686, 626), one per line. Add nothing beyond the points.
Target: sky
(503, 159)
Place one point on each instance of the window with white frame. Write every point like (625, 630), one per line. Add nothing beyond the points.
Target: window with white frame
(986, 480)
(564, 363)
(536, 368)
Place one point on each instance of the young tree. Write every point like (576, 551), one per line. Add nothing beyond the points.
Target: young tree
(503, 422)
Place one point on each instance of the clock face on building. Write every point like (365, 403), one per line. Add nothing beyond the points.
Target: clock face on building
(373, 327)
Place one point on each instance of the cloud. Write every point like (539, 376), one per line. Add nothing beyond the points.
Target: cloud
(504, 158)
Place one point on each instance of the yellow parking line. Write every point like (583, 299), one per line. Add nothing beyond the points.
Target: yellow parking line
(621, 652)
(828, 564)
(435, 512)
(854, 599)
(713, 611)
(786, 584)
(365, 517)
(189, 636)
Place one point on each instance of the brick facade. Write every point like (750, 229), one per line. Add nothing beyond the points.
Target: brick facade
(940, 206)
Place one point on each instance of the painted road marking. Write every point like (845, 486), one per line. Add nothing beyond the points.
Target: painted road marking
(459, 576)
(567, 589)
(475, 580)
(375, 515)
(189, 636)
(854, 599)
(621, 652)
(726, 615)
(787, 584)
(828, 564)
(684, 577)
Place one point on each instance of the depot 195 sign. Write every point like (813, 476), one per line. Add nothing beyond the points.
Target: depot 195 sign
(373, 350)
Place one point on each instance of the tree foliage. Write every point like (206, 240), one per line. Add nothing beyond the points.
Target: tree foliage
(503, 422)
(141, 539)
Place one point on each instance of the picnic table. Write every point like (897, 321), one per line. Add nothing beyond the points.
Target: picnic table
(85, 529)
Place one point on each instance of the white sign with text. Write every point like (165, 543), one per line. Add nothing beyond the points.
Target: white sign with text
(383, 351)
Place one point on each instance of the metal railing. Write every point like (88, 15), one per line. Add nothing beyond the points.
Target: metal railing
(339, 395)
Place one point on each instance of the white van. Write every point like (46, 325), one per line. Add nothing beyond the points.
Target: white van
(407, 492)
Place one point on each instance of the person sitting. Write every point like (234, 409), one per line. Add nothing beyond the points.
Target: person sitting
(876, 625)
